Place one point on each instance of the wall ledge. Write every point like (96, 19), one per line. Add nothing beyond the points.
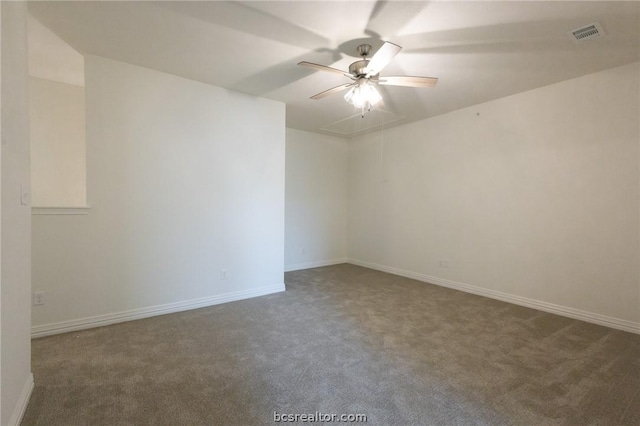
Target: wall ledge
(151, 311)
(565, 311)
(79, 210)
(23, 401)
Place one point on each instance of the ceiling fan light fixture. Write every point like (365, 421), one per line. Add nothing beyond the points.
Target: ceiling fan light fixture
(365, 75)
(363, 95)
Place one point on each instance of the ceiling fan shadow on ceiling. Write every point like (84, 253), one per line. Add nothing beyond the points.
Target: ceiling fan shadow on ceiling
(365, 75)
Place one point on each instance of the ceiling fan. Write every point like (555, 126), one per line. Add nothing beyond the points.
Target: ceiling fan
(365, 74)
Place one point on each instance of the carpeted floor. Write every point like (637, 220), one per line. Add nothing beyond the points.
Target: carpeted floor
(342, 340)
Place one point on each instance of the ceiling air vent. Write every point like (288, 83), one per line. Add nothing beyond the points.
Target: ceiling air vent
(586, 33)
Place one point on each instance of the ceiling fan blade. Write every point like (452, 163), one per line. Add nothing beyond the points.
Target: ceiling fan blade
(408, 81)
(332, 91)
(382, 57)
(319, 67)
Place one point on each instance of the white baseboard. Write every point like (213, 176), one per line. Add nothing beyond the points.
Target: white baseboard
(102, 320)
(315, 264)
(23, 401)
(617, 323)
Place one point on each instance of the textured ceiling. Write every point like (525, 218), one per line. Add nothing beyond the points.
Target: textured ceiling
(479, 50)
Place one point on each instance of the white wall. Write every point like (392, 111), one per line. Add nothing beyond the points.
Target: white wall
(58, 148)
(16, 380)
(184, 180)
(533, 197)
(316, 200)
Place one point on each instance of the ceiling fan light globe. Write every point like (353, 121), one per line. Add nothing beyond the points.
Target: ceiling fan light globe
(353, 96)
(373, 96)
(363, 96)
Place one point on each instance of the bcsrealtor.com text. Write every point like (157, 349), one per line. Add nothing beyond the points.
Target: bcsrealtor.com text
(318, 417)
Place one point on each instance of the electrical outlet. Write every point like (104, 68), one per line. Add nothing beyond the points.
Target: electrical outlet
(38, 298)
(24, 195)
(443, 263)
(223, 274)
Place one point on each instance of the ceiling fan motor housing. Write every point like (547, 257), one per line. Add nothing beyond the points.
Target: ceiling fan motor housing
(359, 68)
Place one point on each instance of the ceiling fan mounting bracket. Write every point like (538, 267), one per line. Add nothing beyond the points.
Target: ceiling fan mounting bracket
(364, 50)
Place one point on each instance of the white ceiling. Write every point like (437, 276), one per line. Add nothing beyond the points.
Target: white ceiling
(479, 50)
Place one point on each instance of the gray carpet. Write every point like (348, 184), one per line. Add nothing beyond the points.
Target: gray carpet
(344, 340)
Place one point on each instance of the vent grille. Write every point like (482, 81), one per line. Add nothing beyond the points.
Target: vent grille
(587, 33)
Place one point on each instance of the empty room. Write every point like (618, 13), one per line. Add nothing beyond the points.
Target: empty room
(318, 212)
